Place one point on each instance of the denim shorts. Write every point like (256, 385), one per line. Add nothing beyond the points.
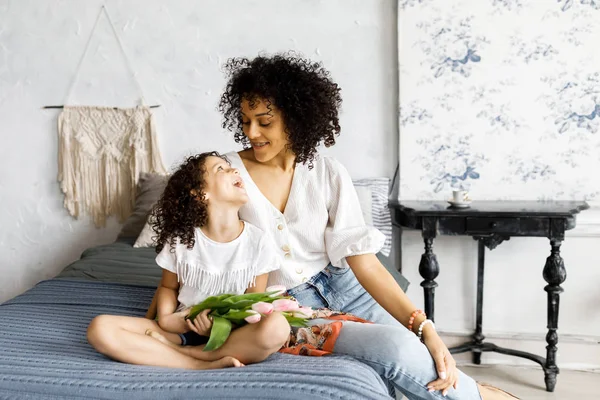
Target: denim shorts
(191, 338)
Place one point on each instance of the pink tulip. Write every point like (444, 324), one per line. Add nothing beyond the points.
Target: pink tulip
(279, 289)
(254, 318)
(285, 305)
(303, 312)
(263, 308)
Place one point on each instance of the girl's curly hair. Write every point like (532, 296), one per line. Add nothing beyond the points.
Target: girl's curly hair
(178, 211)
(302, 89)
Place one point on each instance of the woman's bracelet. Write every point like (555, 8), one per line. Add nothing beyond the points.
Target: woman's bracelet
(422, 325)
(412, 318)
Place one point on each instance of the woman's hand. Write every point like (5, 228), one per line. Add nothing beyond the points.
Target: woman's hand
(202, 324)
(444, 362)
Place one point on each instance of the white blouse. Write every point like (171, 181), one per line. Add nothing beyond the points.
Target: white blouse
(212, 268)
(322, 222)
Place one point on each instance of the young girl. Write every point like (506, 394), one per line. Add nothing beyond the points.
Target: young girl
(204, 250)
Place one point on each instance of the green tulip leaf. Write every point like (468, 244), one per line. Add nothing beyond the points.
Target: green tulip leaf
(295, 321)
(243, 304)
(237, 315)
(254, 297)
(209, 303)
(223, 303)
(219, 333)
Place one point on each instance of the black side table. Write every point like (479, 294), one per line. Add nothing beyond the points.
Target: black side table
(491, 223)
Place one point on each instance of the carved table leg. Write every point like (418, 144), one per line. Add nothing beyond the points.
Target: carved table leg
(429, 267)
(478, 335)
(477, 346)
(554, 274)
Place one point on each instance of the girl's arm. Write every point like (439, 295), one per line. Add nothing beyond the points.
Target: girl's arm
(166, 301)
(260, 285)
(167, 283)
(151, 313)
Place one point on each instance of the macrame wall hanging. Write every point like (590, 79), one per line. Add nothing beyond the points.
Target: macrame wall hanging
(103, 150)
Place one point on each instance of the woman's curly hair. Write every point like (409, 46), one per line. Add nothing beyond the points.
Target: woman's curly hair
(178, 211)
(302, 89)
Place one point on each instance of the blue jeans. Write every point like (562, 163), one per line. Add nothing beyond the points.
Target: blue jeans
(338, 289)
(388, 347)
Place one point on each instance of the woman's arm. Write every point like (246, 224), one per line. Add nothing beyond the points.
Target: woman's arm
(260, 285)
(166, 301)
(382, 286)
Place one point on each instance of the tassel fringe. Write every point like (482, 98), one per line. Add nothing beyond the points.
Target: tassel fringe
(215, 283)
(101, 153)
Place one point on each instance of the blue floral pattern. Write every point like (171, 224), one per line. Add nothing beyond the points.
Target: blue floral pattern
(499, 97)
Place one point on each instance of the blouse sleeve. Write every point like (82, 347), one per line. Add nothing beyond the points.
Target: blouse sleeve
(346, 233)
(267, 259)
(167, 259)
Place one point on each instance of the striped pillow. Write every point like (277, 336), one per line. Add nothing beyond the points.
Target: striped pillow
(380, 213)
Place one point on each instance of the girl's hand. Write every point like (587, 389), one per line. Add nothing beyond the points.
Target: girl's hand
(444, 362)
(202, 324)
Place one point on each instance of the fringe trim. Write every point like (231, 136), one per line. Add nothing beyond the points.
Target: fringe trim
(101, 153)
(214, 283)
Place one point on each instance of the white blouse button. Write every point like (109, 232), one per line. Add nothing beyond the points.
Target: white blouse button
(299, 271)
(285, 248)
(288, 255)
(280, 227)
(305, 279)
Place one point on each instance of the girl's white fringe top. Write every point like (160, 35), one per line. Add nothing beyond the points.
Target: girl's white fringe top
(211, 268)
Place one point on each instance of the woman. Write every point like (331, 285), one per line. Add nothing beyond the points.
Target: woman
(281, 109)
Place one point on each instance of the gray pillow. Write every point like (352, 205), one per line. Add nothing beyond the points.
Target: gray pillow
(150, 187)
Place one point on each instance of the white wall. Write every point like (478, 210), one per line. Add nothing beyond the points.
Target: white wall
(176, 48)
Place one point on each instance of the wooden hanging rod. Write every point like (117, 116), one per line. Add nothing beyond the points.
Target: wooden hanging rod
(156, 106)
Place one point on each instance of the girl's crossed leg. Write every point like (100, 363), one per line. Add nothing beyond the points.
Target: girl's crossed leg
(124, 339)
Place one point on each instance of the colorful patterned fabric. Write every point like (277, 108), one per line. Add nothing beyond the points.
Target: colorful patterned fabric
(318, 339)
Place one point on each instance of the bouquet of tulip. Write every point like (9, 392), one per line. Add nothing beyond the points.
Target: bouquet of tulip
(228, 310)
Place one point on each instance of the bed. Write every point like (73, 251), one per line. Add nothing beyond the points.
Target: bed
(44, 353)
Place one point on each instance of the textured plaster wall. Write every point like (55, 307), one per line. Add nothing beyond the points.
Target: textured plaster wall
(176, 48)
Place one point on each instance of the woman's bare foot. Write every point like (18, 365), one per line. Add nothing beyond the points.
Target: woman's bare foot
(489, 392)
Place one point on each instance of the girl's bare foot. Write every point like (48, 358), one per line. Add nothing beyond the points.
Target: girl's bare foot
(489, 392)
(225, 362)
(192, 351)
